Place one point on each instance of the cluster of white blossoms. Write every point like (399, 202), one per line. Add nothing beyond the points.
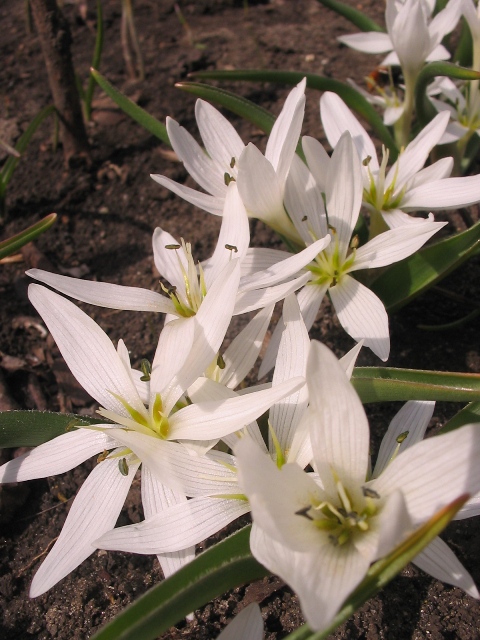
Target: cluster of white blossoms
(320, 515)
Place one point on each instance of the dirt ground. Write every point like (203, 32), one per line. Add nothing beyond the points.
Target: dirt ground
(108, 209)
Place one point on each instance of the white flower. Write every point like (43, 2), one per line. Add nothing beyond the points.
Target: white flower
(413, 37)
(228, 160)
(321, 533)
(145, 420)
(247, 625)
(407, 186)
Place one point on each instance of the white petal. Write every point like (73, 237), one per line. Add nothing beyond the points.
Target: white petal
(261, 258)
(317, 160)
(362, 315)
(439, 561)
(449, 193)
(368, 42)
(285, 133)
(436, 171)
(94, 511)
(349, 359)
(247, 625)
(203, 169)
(104, 294)
(410, 37)
(413, 418)
(258, 298)
(220, 138)
(392, 114)
(204, 201)
(337, 118)
(344, 191)
(434, 472)
(444, 22)
(173, 348)
(394, 524)
(176, 527)
(169, 262)
(395, 244)
(322, 580)
(215, 419)
(87, 350)
(57, 456)
(340, 436)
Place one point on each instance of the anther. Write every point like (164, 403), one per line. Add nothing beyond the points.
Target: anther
(402, 437)
(123, 466)
(366, 161)
(231, 247)
(232, 162)
(220, 362)
(227, 178)
(304, 512)
(172, 246)
(305, 218)
(370, 493)
(146, 368)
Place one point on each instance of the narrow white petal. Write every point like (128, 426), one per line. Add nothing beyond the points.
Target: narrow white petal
(368, 42)
(247, 625)
(211, 204)
(87, 350)
(317, 160)
(285, 133)
(470, 508)
(392, 114)
(286, 268)
(394, 524)
(177, 527)
(337, 118)
(57, 456)
(436, 171)
(203, 169)
(173, 348)
(395, 244)
(410, 37)
(445, 21)
(349, 359)
(94, 511)
(395, 218)
(434, 472)
(413, 419)
(208, 420)
(449, 193)
(220, 138)
(169, 262)
(258, 184)
(104, 294)
(362, 314)
(340, 436)
(344, 191)
(260, 258)
(258, 298)
(439, 561)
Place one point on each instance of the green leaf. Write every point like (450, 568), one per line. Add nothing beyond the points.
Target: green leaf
(424, 108)
(356, 17)
(7, 247)
(405, 280)
(148, 122)
(97, 54)
(226, 565)
(31, 428)
(247, 109)
(382, 384)
(468, 415)
(22, 144)
(348, 94)
(383, 571)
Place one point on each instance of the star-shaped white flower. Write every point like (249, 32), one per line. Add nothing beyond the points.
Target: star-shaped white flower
(147, 422)
(407, 186)
(320, 533)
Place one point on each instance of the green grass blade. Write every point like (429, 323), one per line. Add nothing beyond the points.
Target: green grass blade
(468, 415)
(224, 566)
(247, 109)
(31, 428)
(356, 17)
(348, 94)
(424, 108)
(9, 246)
(405, 280)
(382, 384)
(148, 122)
(12, 161)
(97, 55)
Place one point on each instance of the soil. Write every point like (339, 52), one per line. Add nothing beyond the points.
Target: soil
(108, 207)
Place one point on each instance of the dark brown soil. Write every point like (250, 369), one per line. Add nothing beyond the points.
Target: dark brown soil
(108, 209)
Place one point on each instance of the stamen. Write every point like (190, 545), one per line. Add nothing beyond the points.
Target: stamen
(232, 162)
(173, 247)
(146, 368)
(370, 493)
(231, 247)
(123, 466)
(304, 512)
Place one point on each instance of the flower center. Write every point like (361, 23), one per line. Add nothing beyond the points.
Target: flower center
(195, 289)
(377, 196)
(153, 422)
(330, 266)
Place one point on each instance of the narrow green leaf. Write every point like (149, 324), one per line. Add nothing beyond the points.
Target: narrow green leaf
(424, 108)
(97, 55)
(356, 17)
(468, 415)
(9, 246)
(405, 280)
(247, 109)
(148, 122)
(31, 428)
(384, 570)
(382, 384)
(12, 161)
(348, 94)
(226, 565)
